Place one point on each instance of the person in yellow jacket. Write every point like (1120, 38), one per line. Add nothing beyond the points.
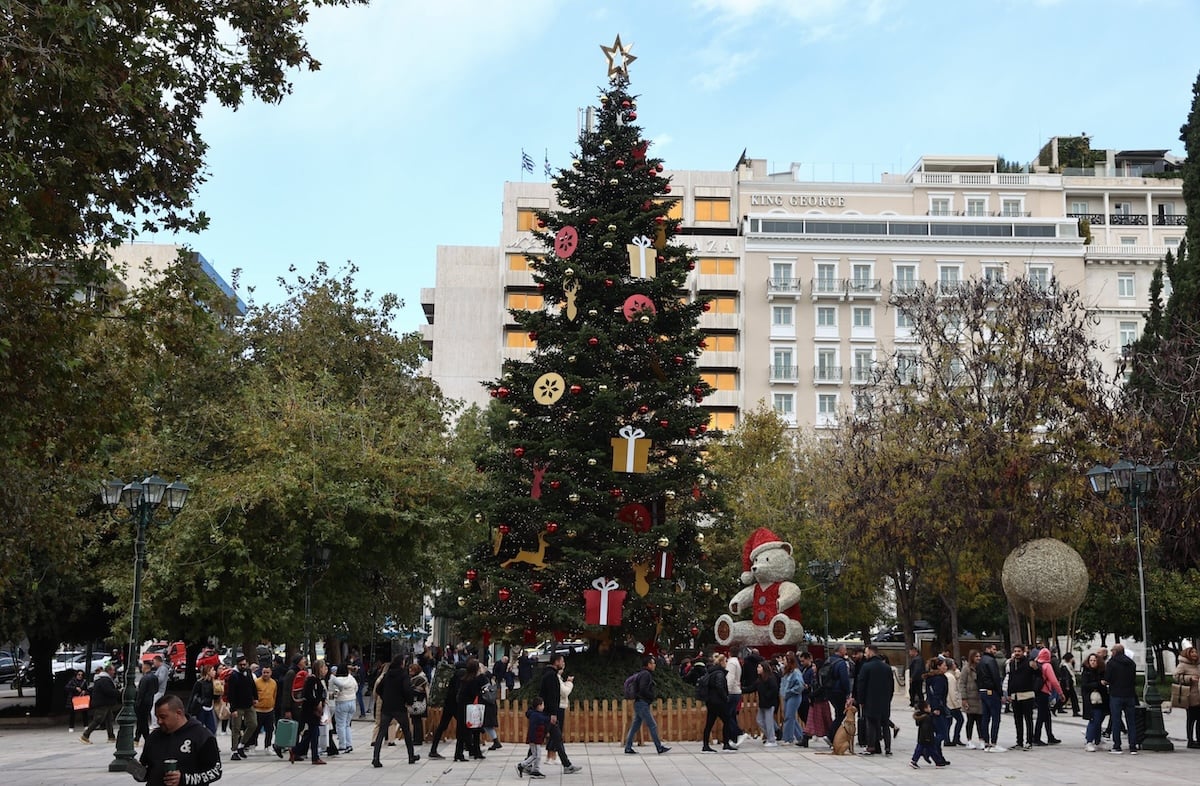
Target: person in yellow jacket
(264, 707)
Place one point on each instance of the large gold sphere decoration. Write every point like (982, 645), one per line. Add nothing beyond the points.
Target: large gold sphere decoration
(1045, 579)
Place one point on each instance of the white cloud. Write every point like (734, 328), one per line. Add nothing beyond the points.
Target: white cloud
(817, 14)
(718, 67)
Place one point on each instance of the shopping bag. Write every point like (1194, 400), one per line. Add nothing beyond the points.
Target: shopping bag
(81, 702)
(475, 716)
(285, 733)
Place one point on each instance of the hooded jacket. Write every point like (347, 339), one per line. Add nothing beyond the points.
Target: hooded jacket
(1050, 684)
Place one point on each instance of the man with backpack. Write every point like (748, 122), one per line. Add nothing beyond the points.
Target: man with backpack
(712, 688)
(641, 688)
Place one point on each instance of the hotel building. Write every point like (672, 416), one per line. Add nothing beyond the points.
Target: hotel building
(799, 272)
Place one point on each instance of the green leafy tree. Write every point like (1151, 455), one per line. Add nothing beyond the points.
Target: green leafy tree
(616, 351)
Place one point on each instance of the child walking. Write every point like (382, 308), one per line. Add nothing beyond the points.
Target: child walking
(538, 723)
(927, 744)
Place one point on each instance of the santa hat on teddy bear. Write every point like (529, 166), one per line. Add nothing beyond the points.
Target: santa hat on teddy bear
(758, 542)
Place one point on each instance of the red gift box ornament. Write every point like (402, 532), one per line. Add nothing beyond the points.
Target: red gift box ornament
(664, 565)
(602, 603)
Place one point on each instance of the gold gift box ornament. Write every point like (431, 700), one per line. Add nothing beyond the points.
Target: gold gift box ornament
(630, 450)
(642, 260)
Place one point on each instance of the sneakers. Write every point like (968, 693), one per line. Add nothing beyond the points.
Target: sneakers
(970, 745)
(941, 764)
(998, 749)
(631, 750)
(536, 774)
(1090, 747)
(520, 770)
(574, 768)
(743, 738)
(1134, 751)
(1116, 751)
(914, 765)
(85, 740)
(71, 730)
(1027, 747)
(664, 749)
(766, 745)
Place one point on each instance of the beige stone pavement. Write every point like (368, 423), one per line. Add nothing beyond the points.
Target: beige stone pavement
(50, 755)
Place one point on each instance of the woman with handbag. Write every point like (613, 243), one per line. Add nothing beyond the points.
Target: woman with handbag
(1095, 699)
(1185, 693)
(77, 699)
(471, 709)
(419, 709)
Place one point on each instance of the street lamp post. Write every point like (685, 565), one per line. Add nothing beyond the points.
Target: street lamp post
(825, 572)
(1134, 483)
(318, 554)
(140, 503)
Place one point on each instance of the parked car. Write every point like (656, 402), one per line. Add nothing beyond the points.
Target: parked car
(77, 661)
(173, 654)
(541, 653)
(207, 657)
(9, 667)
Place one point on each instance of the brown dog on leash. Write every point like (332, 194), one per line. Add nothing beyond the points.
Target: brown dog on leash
(843, 739)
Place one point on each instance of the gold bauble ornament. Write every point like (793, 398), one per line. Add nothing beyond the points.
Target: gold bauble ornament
(573, 498)
(706, 586)
(699, 537)
(466, 584)
(576, 163)
(602, 387)
(645, 320)
(478, 517)
(592, 312)
(614, 182)
(612, 227)
(712, 485)
(569, 272)
(608, 143)
(591, 462)
(668, 607)
(553, 451)
(571, 533)
(663, 542)
(608, 244)
(514, 423)
(670, 494)
(570, 358)
(462, 601)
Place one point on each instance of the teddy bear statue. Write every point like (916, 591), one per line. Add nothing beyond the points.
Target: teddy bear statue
(770, 596)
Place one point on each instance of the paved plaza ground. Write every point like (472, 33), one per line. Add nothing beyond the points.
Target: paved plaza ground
(43, 755)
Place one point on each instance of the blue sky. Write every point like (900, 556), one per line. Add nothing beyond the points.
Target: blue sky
(402, 141)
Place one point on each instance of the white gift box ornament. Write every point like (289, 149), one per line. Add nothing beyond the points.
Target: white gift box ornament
(630, 450)
(641, 258)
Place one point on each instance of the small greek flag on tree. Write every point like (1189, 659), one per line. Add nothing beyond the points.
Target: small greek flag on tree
(547, 164)
(526, 161)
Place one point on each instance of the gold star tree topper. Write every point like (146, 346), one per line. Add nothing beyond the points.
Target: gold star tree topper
(618, 57)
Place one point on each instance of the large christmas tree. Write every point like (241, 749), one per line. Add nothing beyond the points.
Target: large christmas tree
(597, 496)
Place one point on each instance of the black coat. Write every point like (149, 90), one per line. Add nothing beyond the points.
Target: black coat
(716, 679)
(767, 688)
(396, 690)
(550, 690)
(450, 699)
(146, 688)
(1120, 673)
(104, 692)
(240, 691)
(876, 685)
(987, 673)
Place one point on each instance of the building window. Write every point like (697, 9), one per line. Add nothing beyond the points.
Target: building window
(906, 278)
(721, 380)
(1011, 208)
(720, 342)
(862, 317)
(722, 419)
(781, 271)
(1122, 208)
(827, 409)
(948, 278)
(676, 209)
(785, 405)
(526, 219)
(826, 281)
(993, 274)
(518, 339)
(827, 369)
(1127, 333)
(718, 266)
(1080, 208)
(827, 317)
(1170, 241)
(1126, 240)
(939, 206)
(1125, 285)
(781, 316)
(783, 364)
(712, 209)
(976, 207)
(904, 319)
(864, 361)
(723, 304)
(861, 275)
(518, 263)
(524, 301)
(1039, 276)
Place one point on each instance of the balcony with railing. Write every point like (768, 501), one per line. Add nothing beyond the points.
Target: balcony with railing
(861, 375)
(1164, 220)
(864, 287)
(827, 288)
(1129, 220)
(1095, 219)
(783, 287)
(784, 373)
(904, 286)
(827, 375)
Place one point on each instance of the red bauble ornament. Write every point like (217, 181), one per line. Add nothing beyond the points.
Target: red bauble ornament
(691, 432)
(541, 286)
(554, 484)
(541, 224)
(678, 360)
(536, 587)
(492, 392)
(651, 173)
(631, 116)
(703, 344)
(608, 282)
(505, 529)
(643, 409)
(660, 259)
(667, 188)
(706, 306)
(503, 593)
(703, 427)
(472, 574)
(664, 423)
(552, 527)
(502, 392)
(518, 452)
(691, 265)
(533, 335)
(695, 631)
(619, 163)
(626, 104)
(697, 391)
(647, 205)
(651, 339)
(659, 167)
(614, 493)
(659, 219)
(593, 221)
(593, 341)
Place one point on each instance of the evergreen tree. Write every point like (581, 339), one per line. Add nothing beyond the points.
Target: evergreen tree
(611, 387)
(1164, 364)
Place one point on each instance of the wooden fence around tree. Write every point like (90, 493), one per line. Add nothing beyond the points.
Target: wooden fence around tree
(607, 720)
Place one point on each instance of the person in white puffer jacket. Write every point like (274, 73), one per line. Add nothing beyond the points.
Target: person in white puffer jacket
(343, 693)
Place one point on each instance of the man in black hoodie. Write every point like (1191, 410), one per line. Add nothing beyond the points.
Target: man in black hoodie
(449, 713)
(106, 700)
(396, 693)
(989, 682)
(1119, 674)
(1021, 690)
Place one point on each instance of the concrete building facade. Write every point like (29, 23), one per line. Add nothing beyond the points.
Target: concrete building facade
(800, 273)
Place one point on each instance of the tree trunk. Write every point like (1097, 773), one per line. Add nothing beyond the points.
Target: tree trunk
(41, 651)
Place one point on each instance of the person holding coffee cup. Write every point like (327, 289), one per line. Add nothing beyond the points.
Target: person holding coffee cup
(181, 750)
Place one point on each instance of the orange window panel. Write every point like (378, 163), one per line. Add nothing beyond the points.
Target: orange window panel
(720, 343)
(518, 262)
(722, 305)
(526, 301)
(526, 219)
(720, 380)
(722, 420)
(718, 266)
(708, 209)
(676, 211)
(515, 339)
